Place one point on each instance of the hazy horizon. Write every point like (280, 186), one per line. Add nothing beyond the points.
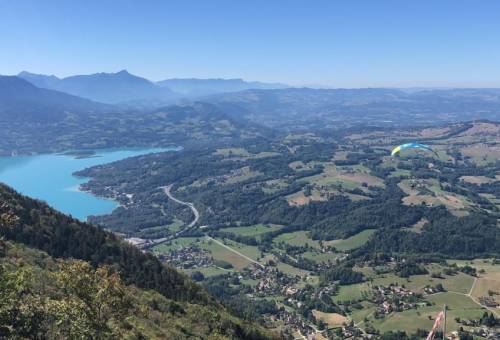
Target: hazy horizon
(359, 44)
(315, 86)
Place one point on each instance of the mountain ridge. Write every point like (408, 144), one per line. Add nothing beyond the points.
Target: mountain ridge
(202, 87)
(20, 99)
(166, 90)
(294, 108)
(110, 88)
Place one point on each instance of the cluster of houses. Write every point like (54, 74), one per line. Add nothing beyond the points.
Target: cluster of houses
(297, 323)
(488, 301)
(433, 290)
(221, 179)
(481, 332)
(394, 298)
(270, 280)
(350, 331)
(487, 332)
(189, 257)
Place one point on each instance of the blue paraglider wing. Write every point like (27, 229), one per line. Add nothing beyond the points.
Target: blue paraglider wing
(411, 145)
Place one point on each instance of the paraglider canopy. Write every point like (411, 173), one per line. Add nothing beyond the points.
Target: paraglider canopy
(411, 145)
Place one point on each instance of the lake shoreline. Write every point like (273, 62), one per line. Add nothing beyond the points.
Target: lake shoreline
(50, 177)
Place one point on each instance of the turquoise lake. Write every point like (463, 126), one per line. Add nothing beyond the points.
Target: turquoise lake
(49, 178)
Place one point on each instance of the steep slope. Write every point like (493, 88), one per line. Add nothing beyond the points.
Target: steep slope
(20, 101)
(111, 88)
(35, 224)
(149, 283)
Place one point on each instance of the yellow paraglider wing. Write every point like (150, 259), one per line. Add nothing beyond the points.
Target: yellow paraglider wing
(411, 145)
(395, 150)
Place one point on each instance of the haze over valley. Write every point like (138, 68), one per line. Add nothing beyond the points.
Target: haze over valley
(208, 193)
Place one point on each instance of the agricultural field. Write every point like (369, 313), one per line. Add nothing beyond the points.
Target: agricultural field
(488, 280)
(291, 270)
(241, 153)
(175, 244)
(297, 238)
(479, 179)
(428, 192)
(459, 282)
(242, 175)
(346, 177)
(314, 215)
(321, 257)
(300, 198)
(254, 230)
(423, 318)
(221, 253)
(353, 292)
(481, 153)
(455, 297)
(274, 185)
(352, 242)
(333, 320)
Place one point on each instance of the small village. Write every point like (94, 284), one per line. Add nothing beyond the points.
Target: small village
(190, 257)
(294, 295)
(394, 298)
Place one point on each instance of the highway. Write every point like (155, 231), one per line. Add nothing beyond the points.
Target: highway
(166, 190)
(190, 205)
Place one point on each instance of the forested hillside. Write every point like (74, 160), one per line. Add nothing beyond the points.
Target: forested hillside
(321, 229)
(326, 184)
(70, 128)
(138, 287)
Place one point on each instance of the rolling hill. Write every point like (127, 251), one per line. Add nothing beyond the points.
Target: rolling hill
(123, 87)
(298, 108)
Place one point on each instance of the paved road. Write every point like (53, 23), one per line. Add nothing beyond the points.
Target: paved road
(190, 205)
(191, 225)
(469, 295)
(196, 214)
(234, 251)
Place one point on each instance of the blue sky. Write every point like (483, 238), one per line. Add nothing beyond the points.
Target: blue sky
(347, 43)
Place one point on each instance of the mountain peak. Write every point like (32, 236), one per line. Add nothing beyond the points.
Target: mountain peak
(123, 72)
(104, 87)
(27, 74)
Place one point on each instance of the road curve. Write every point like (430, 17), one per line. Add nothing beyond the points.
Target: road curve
(190, 205)
(153, 242)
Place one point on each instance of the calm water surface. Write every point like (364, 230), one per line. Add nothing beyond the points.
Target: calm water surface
(49, 178)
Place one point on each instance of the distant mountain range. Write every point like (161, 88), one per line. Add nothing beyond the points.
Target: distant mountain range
(36, 120)
(22, 101)
(297, 108)
(125, 88)
(193, 87)
(111, 88)
(37, 113)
